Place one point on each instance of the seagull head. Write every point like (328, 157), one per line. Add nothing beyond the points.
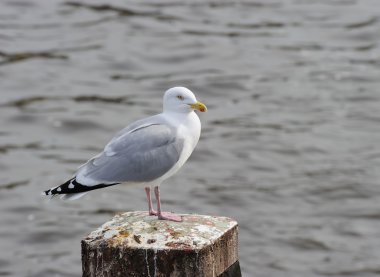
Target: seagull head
(182, 100)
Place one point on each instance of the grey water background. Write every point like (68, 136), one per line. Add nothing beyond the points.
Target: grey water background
(289, 147)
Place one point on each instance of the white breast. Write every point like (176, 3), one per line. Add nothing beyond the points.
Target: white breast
(189, 128)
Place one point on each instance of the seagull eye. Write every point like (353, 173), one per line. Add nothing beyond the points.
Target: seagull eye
(180, 97)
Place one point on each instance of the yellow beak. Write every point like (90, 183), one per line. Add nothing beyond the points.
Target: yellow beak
(199, 106)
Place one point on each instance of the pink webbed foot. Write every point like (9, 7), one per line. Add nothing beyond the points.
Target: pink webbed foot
(170, 216)
(153, 212)
(165, 215)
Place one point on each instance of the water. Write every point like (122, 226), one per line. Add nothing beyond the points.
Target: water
(289, 148)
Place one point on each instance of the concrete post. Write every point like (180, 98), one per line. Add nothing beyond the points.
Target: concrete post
(135, 244)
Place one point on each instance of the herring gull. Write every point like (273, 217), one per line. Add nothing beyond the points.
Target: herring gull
(147, 152)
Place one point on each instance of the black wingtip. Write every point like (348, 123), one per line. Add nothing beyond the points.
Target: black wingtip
(72, 186)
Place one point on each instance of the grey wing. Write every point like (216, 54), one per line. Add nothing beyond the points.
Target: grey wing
(135, 125)
(140, 155)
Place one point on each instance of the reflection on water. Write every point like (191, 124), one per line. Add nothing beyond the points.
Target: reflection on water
(289, 146)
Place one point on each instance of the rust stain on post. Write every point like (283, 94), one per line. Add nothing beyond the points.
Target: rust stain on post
(135, 244)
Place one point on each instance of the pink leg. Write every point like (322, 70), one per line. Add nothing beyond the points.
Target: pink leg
(164, 215)
(151, 211)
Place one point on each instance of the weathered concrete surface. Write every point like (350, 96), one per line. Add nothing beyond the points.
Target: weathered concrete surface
(135, 244)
